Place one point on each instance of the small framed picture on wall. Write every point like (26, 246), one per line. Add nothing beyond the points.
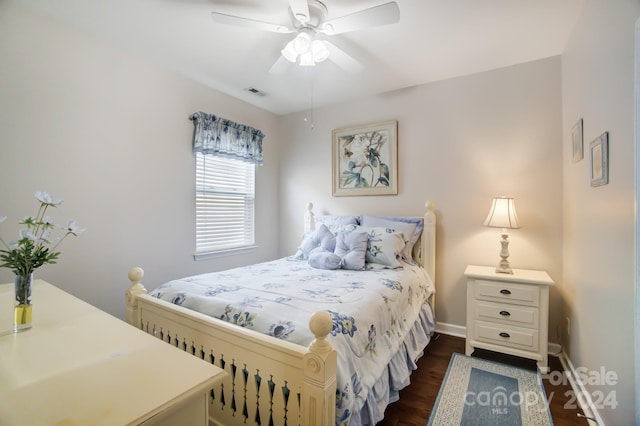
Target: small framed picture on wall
(576, 142)
(600, 160)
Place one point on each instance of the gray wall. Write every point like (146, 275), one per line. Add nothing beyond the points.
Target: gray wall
(598, 235)
(110, 135)
(461, 142)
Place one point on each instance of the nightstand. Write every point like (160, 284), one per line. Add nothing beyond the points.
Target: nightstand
(508, 313)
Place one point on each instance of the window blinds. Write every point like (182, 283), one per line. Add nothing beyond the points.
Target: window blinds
(225, 204)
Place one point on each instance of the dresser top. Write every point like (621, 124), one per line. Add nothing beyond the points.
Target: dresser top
(526, 276)
(80, 365)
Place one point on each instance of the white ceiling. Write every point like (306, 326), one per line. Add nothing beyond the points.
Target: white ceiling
(434, 40)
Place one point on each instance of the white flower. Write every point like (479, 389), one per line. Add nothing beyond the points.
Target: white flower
(73, 228)
(31, 251)
(26, 234)
(359, 148)
(48, 199)
(48, 223)
(46, 237)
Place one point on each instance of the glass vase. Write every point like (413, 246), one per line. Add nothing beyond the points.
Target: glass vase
(22, 310)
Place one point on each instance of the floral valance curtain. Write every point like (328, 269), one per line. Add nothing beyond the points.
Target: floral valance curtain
(225, 138)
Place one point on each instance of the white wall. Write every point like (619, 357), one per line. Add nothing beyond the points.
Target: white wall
(110, 135)
(461, 142)
(598, 270)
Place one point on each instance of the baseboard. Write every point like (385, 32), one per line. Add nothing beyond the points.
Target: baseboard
(451, 329)
(555, 349)
(585, 402)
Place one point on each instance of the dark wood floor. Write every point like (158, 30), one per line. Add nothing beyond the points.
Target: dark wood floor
(417, 400)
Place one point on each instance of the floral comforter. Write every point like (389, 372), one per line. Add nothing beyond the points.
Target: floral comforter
(372, 312)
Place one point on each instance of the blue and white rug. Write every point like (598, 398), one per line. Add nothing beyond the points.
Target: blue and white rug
(480, 392)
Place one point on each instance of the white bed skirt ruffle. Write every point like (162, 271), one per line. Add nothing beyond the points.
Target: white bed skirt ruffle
(387, 388)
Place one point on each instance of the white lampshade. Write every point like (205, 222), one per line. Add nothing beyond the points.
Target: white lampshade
(319, 51)
(306, 60)
(502, 214)
(289, 52)
(302, 42)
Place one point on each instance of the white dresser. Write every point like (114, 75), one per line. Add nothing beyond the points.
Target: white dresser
(508, 313)
(81, 366)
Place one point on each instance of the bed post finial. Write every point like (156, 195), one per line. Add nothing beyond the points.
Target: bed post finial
(430, 205)
(319, 389)
(321, 325)
(309, 220)
(135, 276)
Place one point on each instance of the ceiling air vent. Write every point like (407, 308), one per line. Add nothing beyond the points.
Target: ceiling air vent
(255, 91)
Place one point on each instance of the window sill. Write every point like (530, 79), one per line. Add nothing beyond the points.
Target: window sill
(222, 253)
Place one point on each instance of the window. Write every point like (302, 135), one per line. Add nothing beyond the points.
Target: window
(225, 204)
(226, 155)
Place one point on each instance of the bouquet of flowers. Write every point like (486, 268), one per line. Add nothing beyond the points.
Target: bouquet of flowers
(36, 244)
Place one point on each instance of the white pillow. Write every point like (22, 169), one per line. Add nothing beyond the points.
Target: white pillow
(384, 246)
(336, 224)
(411, 228)
(324, 260)
(320, 239)
(352, 247)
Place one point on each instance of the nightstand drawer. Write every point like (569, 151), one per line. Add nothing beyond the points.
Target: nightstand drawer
(521, 316)
(507, 292)
(504, 335)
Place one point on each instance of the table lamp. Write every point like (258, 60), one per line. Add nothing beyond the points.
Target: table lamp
(503, 215)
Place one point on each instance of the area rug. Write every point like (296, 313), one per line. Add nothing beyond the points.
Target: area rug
(480, 392)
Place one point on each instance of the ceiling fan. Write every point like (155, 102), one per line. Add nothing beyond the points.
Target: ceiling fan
(308, 20)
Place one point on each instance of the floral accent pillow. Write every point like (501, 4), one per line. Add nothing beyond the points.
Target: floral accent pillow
(384, 246)
(352, 247)
(411, 228)
(321, 239)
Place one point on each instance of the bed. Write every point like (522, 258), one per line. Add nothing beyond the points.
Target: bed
(344, 367)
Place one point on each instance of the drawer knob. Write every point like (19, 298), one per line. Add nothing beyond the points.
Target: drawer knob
(503, 334)
(505, 313)
(505, 291)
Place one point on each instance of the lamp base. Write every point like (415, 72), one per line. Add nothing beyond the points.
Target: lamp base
(503, 266)
(504, 270)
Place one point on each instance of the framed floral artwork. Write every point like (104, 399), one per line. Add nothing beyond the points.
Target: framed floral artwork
(365, 159)
(600, 160)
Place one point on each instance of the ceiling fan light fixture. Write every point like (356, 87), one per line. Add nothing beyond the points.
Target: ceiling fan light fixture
(289, 53)
(319, 51)
(302, 42)
(307, 60)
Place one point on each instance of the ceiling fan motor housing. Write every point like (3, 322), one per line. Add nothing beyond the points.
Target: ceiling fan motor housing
(317, 15)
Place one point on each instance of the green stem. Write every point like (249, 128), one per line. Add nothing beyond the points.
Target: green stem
(60, 241)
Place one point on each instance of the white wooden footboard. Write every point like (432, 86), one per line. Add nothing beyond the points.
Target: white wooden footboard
(270, 381)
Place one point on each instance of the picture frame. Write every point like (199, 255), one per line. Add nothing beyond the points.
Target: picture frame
(365, 159)
(577, 141)
(599, 148)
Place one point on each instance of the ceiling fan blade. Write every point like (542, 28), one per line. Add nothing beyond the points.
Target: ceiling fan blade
(343, 59)
(238, 21)
(279, 66)
(387, 13)
(300, 10)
